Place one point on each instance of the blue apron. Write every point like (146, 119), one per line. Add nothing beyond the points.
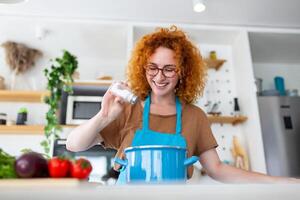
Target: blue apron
(145, 136)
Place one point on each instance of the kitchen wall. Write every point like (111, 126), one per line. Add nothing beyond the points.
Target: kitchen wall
(101, 49)
(15, 143)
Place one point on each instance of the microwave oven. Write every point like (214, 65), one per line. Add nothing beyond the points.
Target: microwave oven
(82, 108)
(81, 105)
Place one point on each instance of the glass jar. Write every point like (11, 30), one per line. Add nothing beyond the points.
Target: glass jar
(119, 90)
(213, 55)
(3, 118)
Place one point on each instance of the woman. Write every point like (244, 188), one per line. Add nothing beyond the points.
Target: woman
(167, 73)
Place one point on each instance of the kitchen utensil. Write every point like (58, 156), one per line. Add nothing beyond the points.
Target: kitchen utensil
(258, 83)
(236, 108)
(156, 164)
(279, 85)
(208, 106)
(214, 109)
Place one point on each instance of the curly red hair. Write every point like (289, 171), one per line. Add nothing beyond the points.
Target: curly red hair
(189, 63)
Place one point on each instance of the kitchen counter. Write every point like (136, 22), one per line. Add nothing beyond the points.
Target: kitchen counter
(90, 191)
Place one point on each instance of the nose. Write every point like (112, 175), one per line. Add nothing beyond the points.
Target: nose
(160, 75)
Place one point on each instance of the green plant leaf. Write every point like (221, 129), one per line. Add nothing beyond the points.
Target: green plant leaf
(59, 78)
(23, 110)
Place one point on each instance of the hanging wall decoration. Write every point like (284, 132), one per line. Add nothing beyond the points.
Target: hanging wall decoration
(19, 58)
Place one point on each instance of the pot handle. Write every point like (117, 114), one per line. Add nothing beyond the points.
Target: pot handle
(121, 162)
(191, 160)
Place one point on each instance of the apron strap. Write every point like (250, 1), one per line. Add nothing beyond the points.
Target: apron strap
(146, 114)
(178, 116)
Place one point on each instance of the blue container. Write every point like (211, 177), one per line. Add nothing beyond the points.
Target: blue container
(156, 164)
(279, 85)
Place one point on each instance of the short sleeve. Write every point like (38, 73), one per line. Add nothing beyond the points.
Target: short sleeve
(114, 134)
(111, 133)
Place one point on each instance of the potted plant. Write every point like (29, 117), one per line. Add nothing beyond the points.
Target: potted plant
(22, 116)
(59, 78)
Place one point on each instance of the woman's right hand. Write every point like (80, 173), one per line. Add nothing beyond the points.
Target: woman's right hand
(87, 134)
(111, 105)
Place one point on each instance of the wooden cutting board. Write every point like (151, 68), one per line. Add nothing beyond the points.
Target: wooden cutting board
(33, 182)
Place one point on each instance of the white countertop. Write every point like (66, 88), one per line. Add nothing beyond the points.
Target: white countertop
(88, 191)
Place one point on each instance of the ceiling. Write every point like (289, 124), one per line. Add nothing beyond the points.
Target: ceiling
(259, 13)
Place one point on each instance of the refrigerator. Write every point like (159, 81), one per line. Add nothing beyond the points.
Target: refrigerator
(280, 123)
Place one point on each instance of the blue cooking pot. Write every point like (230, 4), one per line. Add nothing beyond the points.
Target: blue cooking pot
(155, 164)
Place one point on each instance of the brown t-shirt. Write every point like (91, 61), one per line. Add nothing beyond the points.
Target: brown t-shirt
(195, 129)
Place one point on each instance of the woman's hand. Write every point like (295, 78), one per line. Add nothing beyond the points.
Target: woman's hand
(87, 134)
(111, 105)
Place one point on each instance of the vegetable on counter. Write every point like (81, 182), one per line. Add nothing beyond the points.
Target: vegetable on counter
(30, 165)
(59, 167)
(35, 165)
(7, 169)
(81, 168)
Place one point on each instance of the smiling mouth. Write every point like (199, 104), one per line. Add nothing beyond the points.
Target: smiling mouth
(160, 85)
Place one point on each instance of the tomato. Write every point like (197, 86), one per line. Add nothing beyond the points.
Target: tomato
(81, 168)
(59, 167)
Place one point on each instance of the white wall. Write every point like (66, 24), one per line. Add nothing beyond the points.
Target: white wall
(245, 86)
(15, 143)
(101, 49)
(267, 71)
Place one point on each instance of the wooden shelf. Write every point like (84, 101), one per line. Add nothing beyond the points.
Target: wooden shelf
(22, 129)
(39, 129)
(93, 83)
(26, 129)
(38, 96)
(227, 119)
(23, 96)
(214, 64)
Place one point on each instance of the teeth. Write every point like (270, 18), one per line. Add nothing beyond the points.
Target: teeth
(160, 84)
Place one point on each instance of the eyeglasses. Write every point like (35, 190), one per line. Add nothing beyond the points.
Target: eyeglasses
(169, 71)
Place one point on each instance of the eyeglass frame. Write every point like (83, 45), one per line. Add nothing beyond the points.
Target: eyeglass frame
(161, 69)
